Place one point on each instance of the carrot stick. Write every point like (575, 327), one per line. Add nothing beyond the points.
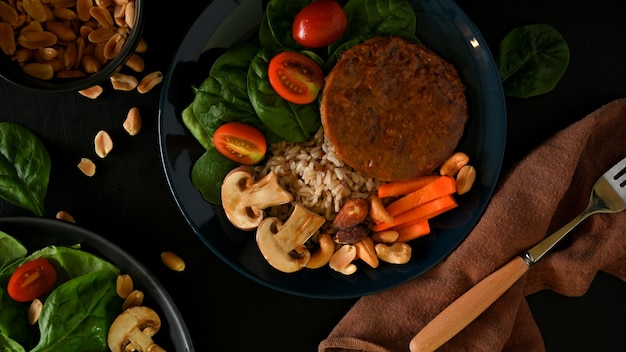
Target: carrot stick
(441, 186)
(400, 188)
(424, 211)
(413, 230)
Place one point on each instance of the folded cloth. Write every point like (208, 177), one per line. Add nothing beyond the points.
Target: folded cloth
(538, 195)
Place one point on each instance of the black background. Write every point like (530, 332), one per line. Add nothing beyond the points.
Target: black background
(128, 200)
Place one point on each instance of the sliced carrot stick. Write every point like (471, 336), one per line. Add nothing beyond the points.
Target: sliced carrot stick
(441, 186)
(413, 230)
(424, 211)
(400, 188)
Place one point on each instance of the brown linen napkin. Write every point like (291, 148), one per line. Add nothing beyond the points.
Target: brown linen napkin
(537, 196)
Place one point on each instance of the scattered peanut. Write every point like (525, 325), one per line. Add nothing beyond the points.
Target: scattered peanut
(92, 92)
(136, 63)
(65, 216)
(124, 285)
(103, 144)
(87, 167)
(135, 298)
(341, 260)
(465, 179)
(149, 82)
(124, 82)
(34, 311)
(397, 253)
(132, 124)
(173, 261)
(453, 164)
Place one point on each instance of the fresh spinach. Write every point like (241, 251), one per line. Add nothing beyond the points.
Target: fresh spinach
(208, 172)
(24, 167)
(77, 315)
(77, 312)
(291, 122)
(10, 250)
(275, 29)
(531, 60)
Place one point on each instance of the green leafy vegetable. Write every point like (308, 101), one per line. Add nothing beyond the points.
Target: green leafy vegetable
(208, 172)
(24, 167)
(77, 315)
(532, 60)
(292, 122)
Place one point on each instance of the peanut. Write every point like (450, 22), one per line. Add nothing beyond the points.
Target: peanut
(92, 92)
(103, 144)
(149, 81)
(124, 285)
(34, 311)
(173, 261)
(7, 40)
(87, 167)
(8, 14)
(135, 298)
(132, 124)
(136, 63)
(453, 164)
(35, 9)
(65, 216)
(120, 81)
(386, 236)
(465, 179)
(43, 71)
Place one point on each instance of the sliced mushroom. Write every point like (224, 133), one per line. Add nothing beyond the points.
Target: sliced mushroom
(244, 199)
(133, 329)
(282, 244)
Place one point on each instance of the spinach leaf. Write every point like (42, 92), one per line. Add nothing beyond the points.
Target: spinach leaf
(531, 60)
(24, 168)
(9, 345)
(377, 17)
(10, 249)
(77, 315)
(275, 28)
(292, 122)
(13, 322)
(208, 172)
(193, 125)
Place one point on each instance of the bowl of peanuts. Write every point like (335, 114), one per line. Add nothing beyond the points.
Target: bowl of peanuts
(68, 45)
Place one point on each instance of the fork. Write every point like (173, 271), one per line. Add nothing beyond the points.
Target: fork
(608, 195)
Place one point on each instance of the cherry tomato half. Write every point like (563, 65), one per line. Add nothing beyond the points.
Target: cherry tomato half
(319, 24)
(31, 280)
(295, 77)
(239, 142)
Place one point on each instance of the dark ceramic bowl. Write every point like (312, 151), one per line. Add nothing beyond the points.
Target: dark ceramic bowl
(11, 71)
(36, 233)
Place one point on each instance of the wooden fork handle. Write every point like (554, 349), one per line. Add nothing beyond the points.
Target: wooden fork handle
(468, 307)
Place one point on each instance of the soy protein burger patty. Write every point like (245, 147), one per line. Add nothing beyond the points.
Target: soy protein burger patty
(393, 109)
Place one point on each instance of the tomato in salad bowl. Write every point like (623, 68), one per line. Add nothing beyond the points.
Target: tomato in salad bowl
(210, 46)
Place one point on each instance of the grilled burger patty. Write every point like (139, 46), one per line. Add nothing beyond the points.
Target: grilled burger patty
(393, 109)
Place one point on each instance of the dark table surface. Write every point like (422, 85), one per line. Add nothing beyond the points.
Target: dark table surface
(128, 200)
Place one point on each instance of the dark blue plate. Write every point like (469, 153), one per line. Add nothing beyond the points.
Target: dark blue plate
(443, 27)
(36, 233)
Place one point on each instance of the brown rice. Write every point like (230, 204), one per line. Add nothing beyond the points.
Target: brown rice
(315, 176)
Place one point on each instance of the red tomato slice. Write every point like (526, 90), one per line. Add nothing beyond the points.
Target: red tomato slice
(295, 77)
(32, 280)
(239, 142)
(319, 24)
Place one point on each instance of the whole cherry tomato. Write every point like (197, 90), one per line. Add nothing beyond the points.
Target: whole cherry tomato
(240, 142)
(31, 280)
(319, 24)
(295, 77)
